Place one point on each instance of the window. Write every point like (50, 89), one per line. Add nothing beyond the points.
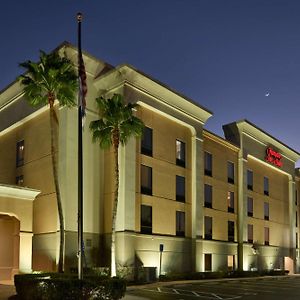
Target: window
(20, 180)
(250, 180)
(266, 186)
(146, 219)
(266, 211)
(296, 240)
(180, 188)
(207, 262)
(20, 154)
(296, 197)
(230, 172)
(180, 153)
(230, 231)
(250, 233)
(208, 196)
(180, 223)
(146, 180)
(230, 263)
(230, 201)
(146, 143)
(250, 206)
(208, 228)
(207, 164)
(296, 219)
(267, 236)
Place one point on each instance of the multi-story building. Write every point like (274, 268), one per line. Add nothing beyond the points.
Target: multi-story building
(204, 202)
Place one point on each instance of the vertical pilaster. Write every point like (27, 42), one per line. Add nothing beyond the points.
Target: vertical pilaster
(25, 257)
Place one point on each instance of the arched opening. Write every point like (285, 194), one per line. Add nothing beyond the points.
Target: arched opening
(9, 246)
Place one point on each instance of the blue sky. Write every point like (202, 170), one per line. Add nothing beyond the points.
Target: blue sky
(225, 55)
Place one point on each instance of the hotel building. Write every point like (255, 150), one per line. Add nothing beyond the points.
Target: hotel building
(201, 201)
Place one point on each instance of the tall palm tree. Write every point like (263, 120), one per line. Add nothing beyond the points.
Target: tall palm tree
(115, 126)
(53, 78)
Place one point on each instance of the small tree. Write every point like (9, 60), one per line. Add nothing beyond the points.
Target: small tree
(116, 125)
(53, 78)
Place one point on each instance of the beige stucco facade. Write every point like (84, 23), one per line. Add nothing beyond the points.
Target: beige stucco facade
(31, 222)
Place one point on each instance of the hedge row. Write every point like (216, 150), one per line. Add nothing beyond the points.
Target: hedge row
(55, 286)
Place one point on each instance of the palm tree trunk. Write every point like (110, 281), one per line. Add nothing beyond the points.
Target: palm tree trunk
(114, 214)
(54, 137)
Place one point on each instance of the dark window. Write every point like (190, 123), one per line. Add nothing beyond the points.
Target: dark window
(20, 154)
(296, 197)
(146, 180)
(250, 233)
(146, 219)
(146, 143)
(250, 206)
(250, 180)
(207, 262)
(230, 231)
(208, 228)
(230, 172)
(208, 196)
(180, 188)
(296, 240)
(180, 223)
(180, 153)
(266, 211)
(230, 201)
(20, 180)
(266, 186)
(207, 164)
(296, 219)
(267, 236)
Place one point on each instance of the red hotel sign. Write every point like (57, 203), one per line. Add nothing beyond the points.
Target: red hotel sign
(273, 157)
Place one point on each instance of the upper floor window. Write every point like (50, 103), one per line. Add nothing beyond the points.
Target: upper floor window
(208, 228)
(20, 180)
(231, 231)
(207, 163)
(20, 153)
(296, 240)
(250, 233)
(180, 153)
(266, 211)
(267, 236)
(230, 201)
(146, 219)
(296, 197)
(208, 195)
(266, 186)
(180, 223)
(146, 143)
(180, 188)
(250, 180)
(230, 172)
(146, 180)
(296, 219)
(250, 206)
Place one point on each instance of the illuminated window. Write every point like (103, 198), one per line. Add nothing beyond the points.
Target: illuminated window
(146, 180)
(180, 153)
(266, 186)
(180, 188)
(208, 228)
(230, 262)
(250, 233)
(230, 201)
(20, 154)
(207, 163)
(146, 219)
(250, 180)
(20, 180)
(266, 211)
(208, 195)
(250, 206)
(267, 236)
(146, 143)
(230, 231)
(230, 172)
(180, 223)
(207, 262)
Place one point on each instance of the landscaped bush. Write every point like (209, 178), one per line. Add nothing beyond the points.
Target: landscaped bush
(55, 286)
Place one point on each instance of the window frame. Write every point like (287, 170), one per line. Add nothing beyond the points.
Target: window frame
(229, 178)
(250, 213)
(248, 233)
(230, 226)
(180, 161)
(208, 234)
(20, 153)
(266, 186)
(145, 190)
(180, 223)
(147, 149)
(249, 186)
(230, 200)
(180, 197)
(267, 236)
(208, 164)
(266, 209)
(206, 203)
(146, 228)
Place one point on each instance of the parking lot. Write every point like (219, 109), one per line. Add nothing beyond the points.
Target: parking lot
(254, 288)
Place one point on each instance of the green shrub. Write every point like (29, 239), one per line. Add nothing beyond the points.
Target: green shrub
(55, 286)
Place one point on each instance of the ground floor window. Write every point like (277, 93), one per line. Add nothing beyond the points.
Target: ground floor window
(230, 262)
(207, 262)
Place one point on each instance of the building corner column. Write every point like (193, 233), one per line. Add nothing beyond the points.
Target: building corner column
(292, 218)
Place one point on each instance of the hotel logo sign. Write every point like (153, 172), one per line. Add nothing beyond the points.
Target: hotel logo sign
(273, 157)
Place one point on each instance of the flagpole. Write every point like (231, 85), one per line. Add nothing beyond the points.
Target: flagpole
(80, 180)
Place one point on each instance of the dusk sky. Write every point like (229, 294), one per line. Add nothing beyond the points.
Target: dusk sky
(238, 58)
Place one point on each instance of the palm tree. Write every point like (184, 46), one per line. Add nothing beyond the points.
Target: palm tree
(53, 78)
(116, 125)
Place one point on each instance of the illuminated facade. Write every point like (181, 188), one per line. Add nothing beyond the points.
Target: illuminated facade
(208, 203)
